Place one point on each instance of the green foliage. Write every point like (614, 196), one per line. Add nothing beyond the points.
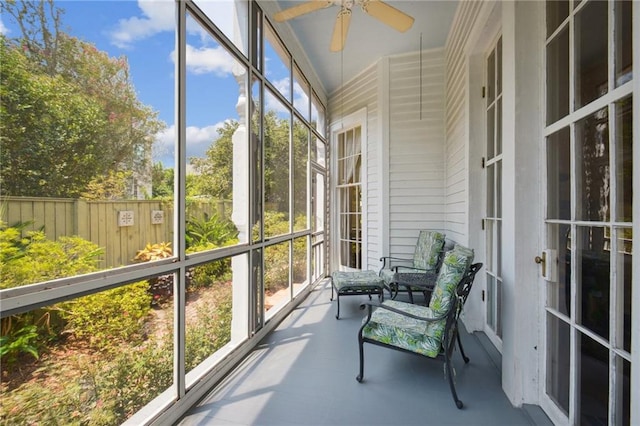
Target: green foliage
(113, 186)
(276, 257)
(209, 230)
(23, 340)
(211, 330)
(162, 181)
(35, 259)
(69, 112)
(109, 318)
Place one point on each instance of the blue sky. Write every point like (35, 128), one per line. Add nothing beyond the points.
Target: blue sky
(143, 31)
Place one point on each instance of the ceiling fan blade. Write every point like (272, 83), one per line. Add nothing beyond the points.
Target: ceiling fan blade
(387, 14)
(340, 30)
(301, 9)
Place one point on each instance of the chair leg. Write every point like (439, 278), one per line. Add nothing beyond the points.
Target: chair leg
(360, 376)
(338, 303)
(447, 363)
(464, 356)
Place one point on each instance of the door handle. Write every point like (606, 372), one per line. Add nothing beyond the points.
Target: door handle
(543, 262)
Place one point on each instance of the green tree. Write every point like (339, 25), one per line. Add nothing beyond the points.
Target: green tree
(66, 104)
(161, 181)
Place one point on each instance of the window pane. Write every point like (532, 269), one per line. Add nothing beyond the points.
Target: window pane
(624, 159)
(558, 361)
(559, 175)
(317, 115)
(102, 356)
(558, 77)
(624, 41)
(623, 259)
(276, 166)
(557, 12)
(591, 52)
(255, 158)
(318, 151)
(593, 257)
(317, 202)
(231, 17)
(491, 305)
(277, 291)
(593, 381)
(559, 293)
(498, 193)
(216, 141)
(592, 167)
(300, 93)
(499, 126)
(209, 309)
(300, 167)
(300, 270)
(277, 63)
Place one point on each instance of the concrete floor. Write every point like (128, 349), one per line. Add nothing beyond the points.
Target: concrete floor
(304, 373)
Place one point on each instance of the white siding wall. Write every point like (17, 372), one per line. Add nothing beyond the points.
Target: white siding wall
(362, 92)
(456, 122)
(416, 148)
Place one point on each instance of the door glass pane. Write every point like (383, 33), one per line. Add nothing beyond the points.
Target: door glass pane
(499, 126)
(499, 68)
(491, 76)
(622, 416)
(558, 76)
(559, 293)
(592, 167)
(557, 12)
(593, 373)
(624, 258)
(499, 189)
(591, 52)
(559, 175)
(592, 278)
(624, 159)
(623, 42)
(491, 128)
(558, 361)
(491, 190)
(491, 296)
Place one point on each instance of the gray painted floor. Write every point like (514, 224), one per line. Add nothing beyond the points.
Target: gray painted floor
(304, 373)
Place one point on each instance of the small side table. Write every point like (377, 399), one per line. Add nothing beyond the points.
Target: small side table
(353, 283)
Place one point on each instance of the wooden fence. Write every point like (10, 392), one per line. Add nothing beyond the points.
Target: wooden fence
(121, 228)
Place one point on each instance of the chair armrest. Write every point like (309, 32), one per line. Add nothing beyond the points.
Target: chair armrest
(372, 304)
(386, 261)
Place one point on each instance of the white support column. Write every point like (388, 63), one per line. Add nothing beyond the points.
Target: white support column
(521, 186)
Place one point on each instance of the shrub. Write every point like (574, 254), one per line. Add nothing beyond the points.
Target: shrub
(210, 229)
(109, 318)
(160, 288)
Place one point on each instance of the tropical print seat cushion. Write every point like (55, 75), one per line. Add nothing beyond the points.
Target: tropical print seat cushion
(428, 249)
(454, 266)
(420, 336)
(356, 280)
(397, 330)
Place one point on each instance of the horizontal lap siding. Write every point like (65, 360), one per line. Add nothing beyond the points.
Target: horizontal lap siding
(456, 119)
(362, 92)
(416, 142)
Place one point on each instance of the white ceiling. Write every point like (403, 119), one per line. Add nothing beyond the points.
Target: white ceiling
(368, 39)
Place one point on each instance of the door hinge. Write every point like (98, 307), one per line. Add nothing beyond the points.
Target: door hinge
(484, 92)
(483, 161)
(483, 295)
(482, 224)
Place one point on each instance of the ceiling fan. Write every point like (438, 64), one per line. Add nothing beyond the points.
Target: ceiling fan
(378, 9)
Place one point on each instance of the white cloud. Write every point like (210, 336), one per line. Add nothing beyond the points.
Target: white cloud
(3, 29)
(157, 16)
(199, 139)
(208, 60)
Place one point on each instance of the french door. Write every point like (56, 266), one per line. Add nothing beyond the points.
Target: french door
(588, 221)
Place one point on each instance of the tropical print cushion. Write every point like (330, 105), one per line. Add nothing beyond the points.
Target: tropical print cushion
(356, 280)
(465, 251)
(387, 275)
(454, 265)
(428, 249)
(423, 337)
